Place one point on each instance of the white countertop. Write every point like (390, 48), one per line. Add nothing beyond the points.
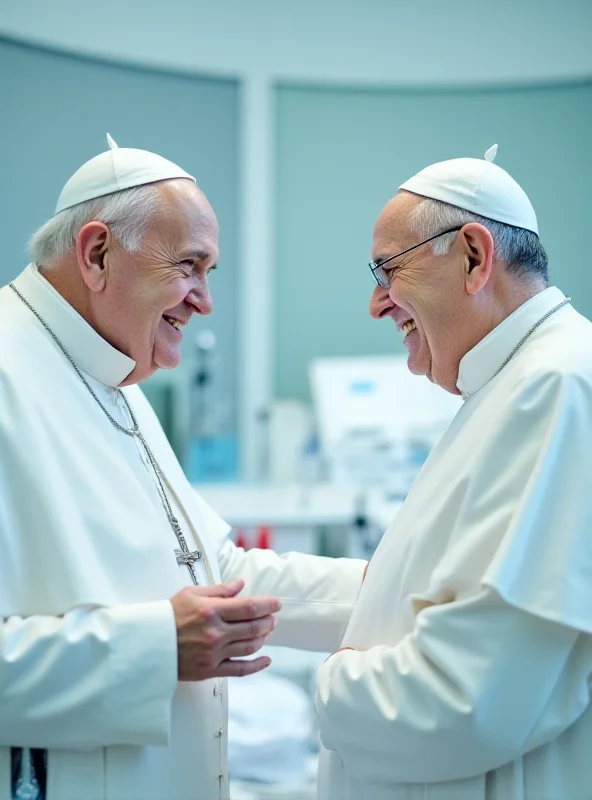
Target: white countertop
(246, 505)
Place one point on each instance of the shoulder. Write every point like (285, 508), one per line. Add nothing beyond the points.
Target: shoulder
(557, 361)
(23, 342)
(29, 368)
(546, 401)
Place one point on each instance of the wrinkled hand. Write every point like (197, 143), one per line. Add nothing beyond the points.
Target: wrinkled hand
(215, 628)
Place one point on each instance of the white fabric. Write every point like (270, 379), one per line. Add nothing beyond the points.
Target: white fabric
(473, 655)
(118, 168)
(270, 730)
(88, 647)
(477, 185)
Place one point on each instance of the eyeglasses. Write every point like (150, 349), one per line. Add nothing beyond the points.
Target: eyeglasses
(381, 277)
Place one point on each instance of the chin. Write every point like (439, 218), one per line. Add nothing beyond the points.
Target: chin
(170, 362)
(418, 369)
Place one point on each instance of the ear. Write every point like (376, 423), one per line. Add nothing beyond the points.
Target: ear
(477, 244)
(92, 244)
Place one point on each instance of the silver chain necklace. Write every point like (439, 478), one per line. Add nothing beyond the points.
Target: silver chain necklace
(529, 333)
(184, 554)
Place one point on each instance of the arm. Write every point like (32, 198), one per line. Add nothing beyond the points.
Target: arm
(476, 684)
(85, 673)
(90, 678)
(317, 593)
(103, 676)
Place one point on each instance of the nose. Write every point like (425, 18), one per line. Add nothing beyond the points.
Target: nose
(380, 302)
(201, 298)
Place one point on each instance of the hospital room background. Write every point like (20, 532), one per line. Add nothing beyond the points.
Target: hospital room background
(293, 412)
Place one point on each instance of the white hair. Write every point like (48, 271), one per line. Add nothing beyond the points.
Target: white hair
(518, 249)
(127, 213)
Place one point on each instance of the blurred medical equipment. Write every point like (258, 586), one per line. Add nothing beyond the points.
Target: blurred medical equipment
(377, 422)
(336, 485)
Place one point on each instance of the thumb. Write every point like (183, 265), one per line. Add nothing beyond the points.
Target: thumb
(230, 589)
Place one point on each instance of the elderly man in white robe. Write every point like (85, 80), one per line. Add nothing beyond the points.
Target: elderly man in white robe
(120, 619)
(464, 672)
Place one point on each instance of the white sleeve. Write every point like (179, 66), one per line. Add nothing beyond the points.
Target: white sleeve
(476, 684)
(317, 593)
(92, 678)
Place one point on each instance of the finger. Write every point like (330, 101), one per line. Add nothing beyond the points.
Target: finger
(239, 609)
(242, 649)
(238, 668)
(243, 631)
(219, 589)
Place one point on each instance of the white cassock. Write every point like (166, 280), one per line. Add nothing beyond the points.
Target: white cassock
(88, 654)
(471, 671)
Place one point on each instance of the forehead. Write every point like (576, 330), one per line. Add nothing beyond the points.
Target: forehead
(392, 229)
(185, 215)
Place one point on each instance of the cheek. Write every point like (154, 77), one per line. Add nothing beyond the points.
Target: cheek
(165, 297)
(423, 303)
(409, 294)
(422, 292)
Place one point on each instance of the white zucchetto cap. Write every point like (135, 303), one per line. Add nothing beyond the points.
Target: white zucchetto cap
(477, 185)
(118, 168)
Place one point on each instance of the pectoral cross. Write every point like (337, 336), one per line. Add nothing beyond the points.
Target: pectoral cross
(185, 555)
(187, 558)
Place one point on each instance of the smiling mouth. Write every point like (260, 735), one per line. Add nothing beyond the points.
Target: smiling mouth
(174, 322)
(408, 328)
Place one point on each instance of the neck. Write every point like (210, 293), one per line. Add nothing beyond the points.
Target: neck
(488, 310)
(493, 310)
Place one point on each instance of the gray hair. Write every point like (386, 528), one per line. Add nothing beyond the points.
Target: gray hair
(518, 249)
(127, 213)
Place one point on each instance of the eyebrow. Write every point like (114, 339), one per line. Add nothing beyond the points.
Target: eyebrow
(198, 255)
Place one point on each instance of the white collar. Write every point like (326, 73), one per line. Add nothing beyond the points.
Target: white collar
(481, 363)
(90, 352)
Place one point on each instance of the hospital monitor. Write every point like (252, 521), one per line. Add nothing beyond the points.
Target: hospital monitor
(378, 396)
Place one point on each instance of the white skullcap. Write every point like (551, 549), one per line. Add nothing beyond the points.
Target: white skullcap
(477, 185)
(118, 168)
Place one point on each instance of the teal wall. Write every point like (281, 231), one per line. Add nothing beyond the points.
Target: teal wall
(341, 155)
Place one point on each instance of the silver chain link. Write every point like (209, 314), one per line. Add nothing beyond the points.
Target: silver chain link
(184, 555)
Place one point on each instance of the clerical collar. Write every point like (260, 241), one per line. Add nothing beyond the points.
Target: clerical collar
(481, 363)
(91, 353)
